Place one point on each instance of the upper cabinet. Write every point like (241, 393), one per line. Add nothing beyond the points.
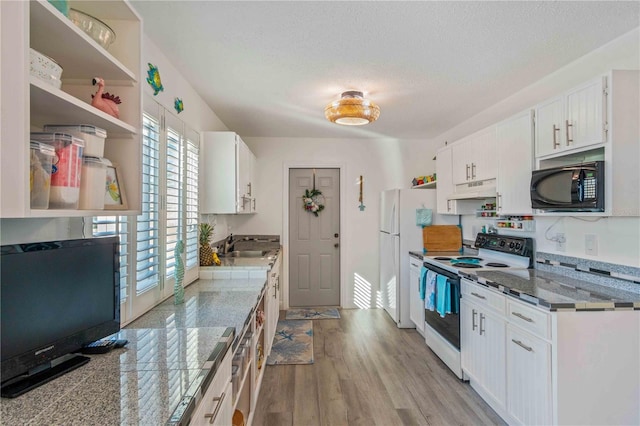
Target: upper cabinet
(228, 167)
(29, 103)
(515, 163)
(474, 157)
(573, 120)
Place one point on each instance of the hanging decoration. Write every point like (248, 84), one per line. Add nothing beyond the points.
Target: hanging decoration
(361, 199)
(178, 105)
(312, 201)
(153, 78)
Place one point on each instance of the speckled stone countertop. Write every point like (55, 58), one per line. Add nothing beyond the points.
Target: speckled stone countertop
(556, 292)
(170, 354)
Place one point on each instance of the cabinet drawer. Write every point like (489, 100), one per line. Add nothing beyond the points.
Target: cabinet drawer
(529, 318)
(483, 296)
(217, 397)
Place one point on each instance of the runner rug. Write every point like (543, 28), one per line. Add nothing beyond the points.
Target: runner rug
(312, 313)
(293, 343)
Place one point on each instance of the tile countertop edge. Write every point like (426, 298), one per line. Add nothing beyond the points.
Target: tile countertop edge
(576, 305)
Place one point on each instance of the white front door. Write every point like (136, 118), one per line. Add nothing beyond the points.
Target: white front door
(314, 241)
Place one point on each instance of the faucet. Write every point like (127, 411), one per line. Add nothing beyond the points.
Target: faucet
(228, 244)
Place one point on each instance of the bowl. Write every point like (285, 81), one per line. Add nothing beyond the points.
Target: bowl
(93, 27)
(45, 68)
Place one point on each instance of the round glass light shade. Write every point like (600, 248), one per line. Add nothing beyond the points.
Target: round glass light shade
(352, 110)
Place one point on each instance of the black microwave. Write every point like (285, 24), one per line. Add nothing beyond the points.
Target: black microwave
(574, 188)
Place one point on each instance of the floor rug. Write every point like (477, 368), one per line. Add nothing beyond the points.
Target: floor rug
(312, 313)
(292, 344)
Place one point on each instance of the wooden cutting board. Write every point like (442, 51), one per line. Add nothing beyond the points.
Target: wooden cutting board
(442, 238)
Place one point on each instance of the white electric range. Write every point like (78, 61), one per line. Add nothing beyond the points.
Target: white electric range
(442, 333)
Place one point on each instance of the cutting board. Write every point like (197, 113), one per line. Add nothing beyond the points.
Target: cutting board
(442, 238)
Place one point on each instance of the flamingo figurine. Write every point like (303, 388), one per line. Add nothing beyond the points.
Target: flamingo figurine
(105, 101)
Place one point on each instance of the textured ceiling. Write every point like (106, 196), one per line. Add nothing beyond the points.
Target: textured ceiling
(269, 68)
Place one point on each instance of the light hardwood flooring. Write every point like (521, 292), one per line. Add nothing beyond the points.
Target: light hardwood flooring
(368, 372)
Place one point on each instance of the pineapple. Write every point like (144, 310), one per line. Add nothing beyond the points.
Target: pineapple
(206, 253)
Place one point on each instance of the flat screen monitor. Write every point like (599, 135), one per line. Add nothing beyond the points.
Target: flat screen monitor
(56, 297)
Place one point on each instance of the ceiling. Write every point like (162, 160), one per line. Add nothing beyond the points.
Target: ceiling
(268, 69)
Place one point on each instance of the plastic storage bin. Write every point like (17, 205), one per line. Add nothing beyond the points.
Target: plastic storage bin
(93, 136)
(42, 156)
(92, 185)
(66, 171)
(235, 380)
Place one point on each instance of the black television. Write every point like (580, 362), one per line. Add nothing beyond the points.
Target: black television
(55, 297)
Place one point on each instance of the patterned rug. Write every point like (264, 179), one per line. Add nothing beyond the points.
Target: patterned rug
(292, 344)
(312, 313)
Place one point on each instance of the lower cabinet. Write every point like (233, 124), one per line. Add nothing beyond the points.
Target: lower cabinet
(528, 378)
(416, 304)
(215, 408)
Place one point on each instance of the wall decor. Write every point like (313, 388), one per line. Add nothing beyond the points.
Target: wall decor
(178, 105)
(114, 196)
(153, 78)
(361, 199)
(311, 201)
(105, 101)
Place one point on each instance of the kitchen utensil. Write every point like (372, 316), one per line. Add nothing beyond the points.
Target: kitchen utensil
(93, 27)
(45, 68)
(442, 238)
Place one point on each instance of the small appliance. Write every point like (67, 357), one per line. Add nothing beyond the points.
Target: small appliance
(573, 188)
(442, 334)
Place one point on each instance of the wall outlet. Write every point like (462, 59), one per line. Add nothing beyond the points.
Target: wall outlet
(561, 242)
(591, 244)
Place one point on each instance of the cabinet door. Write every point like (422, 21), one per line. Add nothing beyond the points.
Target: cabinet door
(549, 125)
(483, 152)
(244, 172)
(469, 346)
(491, 335)
(515, 162)
(218, 188)
(585, 115)
(462, 157)
(444, 181)
(215, 404)
(416, 307)
(528, 378)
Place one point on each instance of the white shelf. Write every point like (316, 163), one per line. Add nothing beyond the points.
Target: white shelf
(517, 225)
(425, 185)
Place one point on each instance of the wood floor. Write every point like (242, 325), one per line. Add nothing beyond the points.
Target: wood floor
(368, 372)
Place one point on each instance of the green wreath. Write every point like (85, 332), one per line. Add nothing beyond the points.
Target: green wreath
(311, 201)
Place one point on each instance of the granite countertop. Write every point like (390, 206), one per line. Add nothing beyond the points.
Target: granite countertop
(556, 292)
(172, 351)
(263, 262)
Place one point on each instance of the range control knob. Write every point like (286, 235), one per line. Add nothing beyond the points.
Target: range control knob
(518, 245)
(512, 245)
(502, 243)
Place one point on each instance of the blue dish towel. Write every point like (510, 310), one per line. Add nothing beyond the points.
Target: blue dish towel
(423, 282)
(430, 291)
(443, 295)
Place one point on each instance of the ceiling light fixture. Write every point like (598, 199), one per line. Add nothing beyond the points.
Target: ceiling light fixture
(352, 109)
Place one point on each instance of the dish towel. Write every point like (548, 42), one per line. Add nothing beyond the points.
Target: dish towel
(430, 290)
(423, 282)
(443, 295)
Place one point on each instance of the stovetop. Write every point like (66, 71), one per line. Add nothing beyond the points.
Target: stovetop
(495, 252)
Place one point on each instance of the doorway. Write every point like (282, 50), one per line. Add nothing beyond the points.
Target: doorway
(314, 237)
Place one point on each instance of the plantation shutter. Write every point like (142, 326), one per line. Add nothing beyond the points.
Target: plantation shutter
(191, 199)
(103, 226)
(174, 192)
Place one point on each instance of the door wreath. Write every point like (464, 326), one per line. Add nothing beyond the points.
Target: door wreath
(312, 201)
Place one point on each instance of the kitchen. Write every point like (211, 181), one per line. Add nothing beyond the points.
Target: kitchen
(385, 163)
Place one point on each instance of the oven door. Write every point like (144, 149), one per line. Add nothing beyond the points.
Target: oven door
(448, 326)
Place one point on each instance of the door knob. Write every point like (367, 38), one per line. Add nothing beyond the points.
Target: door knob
(336, 245)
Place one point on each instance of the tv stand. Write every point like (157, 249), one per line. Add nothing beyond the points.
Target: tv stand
(25, 384)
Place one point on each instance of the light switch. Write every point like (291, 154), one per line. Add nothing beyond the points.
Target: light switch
(591, 244)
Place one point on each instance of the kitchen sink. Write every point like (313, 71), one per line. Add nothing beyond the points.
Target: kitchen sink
(245, 253)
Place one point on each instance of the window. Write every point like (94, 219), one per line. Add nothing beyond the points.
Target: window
(116, 225)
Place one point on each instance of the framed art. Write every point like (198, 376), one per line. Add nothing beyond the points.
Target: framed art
(114, 196)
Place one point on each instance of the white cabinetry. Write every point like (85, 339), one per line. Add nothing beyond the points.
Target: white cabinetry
(273, 304)
(215, 407)
(573, 120)
(515, 163)
(474, 157)
(446, 188)
(482, 333)
(28, 104)
(416, 307)
(227, 165)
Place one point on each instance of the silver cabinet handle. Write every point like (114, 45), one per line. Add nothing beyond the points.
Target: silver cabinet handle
(522, 345)
(499, 195)
(212, 416)
(473, 319)
(448, 205)
(467, 172)
(556, 144)
(519, 315)
(473, 170)
(478, 295)
(567, 125)
(481, 330)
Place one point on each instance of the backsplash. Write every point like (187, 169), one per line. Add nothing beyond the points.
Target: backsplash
(608, 274)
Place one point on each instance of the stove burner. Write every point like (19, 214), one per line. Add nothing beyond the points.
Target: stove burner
(497, 265)
(442, 258)
(467, 265)
(469, 258)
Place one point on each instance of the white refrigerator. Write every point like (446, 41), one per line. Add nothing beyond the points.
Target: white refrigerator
(399, 234)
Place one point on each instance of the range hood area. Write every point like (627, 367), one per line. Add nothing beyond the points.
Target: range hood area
(474, 190)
